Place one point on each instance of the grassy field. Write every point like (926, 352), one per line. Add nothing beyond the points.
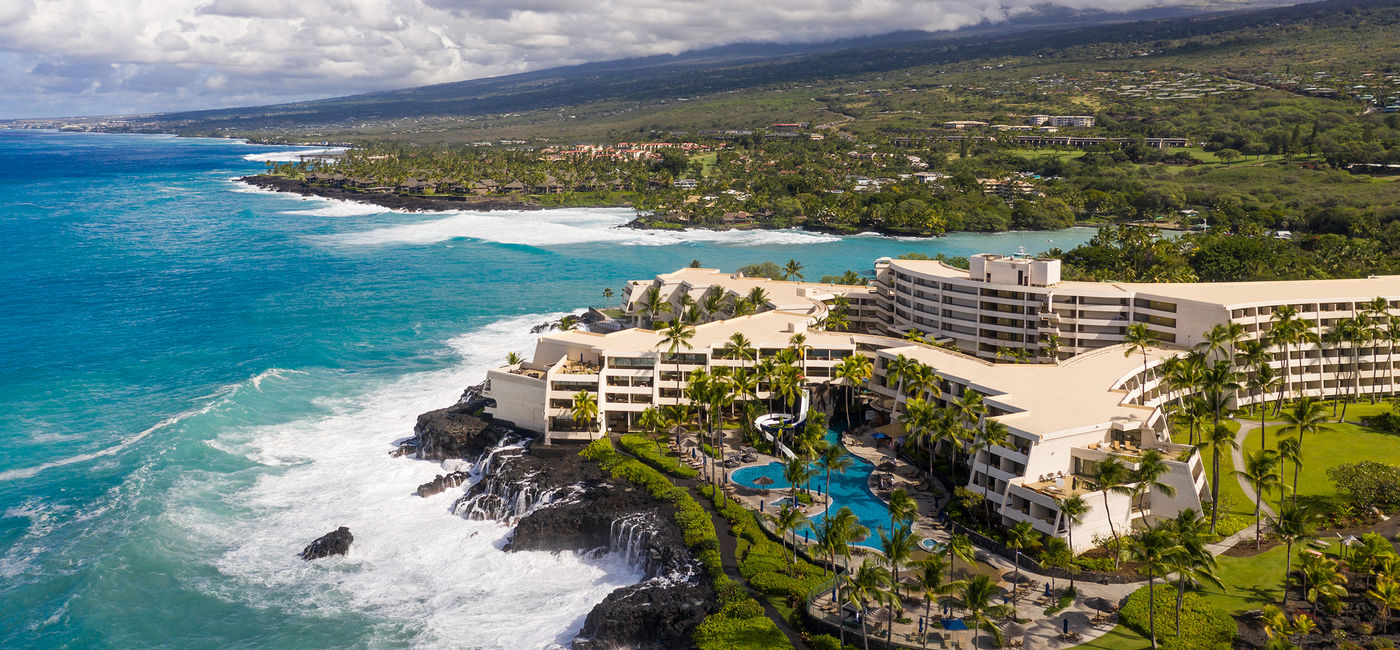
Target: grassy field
(1342, 443)
(1230, 493)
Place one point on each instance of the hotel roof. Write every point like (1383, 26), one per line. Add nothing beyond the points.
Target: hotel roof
(1046, 399)
(1221, 293)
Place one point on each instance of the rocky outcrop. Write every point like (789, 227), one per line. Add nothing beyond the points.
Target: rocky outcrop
(336, 542)
(454, 432)
(559, 501)
(655, 614)
(441, 483)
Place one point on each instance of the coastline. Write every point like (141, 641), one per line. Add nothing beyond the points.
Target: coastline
(388, 200)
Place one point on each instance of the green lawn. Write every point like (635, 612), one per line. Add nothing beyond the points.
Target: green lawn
(1119, 638)
(1343, 443)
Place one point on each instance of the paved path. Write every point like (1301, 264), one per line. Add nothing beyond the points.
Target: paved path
(728, 547)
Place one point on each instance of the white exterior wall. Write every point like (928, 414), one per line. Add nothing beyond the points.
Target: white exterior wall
(519, 399)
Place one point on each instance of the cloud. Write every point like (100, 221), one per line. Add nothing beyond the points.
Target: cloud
(113, 56)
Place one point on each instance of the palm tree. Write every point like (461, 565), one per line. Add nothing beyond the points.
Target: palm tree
(651, 421)
(1151, 468)
(833, 458)
(898, 547)
(970, 410)
(793, 269)
(1292, 525)
(1111, 475)
(607, 295)
(1287, 329)
(1307, 416)
(1019, 537)
(739, 347)
(1290, 450)
(903, 508)
(798, 342)
(1392, 337)
(921, 381)
(514, 359)
(994, 433)
(1219, 382)
(1055, 553)
(959, 547)
(976, 596)
(713, 303)
(1322, 580)
(796, 472)
(788, 520)
(1194, 564)
(1154, 548)
(920, 419)
(1072, 511)
(896, 371)
(1217, 438)
(1215, 340)
(1139, 339)
(675, 336)
(585, 410)
(758, 298)
(929, 578)
(852, 371)
(1262, 471)
(1350, 331)
(1386, 595)
(870, 584)
(741, 306)
(1263, 379)
(652, 304)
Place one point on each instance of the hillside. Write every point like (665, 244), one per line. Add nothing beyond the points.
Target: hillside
(750, 86)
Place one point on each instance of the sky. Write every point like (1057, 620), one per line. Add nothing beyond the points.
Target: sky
(116, 57)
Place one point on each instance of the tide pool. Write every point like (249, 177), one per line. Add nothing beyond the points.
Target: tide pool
(198, 378)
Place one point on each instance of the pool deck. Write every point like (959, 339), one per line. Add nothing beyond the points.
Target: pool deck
(1042, 631)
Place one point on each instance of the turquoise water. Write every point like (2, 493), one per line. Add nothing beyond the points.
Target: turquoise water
(850, 489)
(197, 379)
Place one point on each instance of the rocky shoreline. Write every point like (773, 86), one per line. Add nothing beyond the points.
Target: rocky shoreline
(560, 502)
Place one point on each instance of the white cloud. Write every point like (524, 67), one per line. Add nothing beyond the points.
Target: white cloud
(110, 56)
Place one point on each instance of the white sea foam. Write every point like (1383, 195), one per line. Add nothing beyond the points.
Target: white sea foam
(440, 576)
(561, 227)
(290, 156)
(340, 208)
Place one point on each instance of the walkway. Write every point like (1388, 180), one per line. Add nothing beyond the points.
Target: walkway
(728, 553)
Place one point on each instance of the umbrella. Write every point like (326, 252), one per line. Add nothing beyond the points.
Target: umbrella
(763, 480)
(1066, 625)
(1098, 603)
(1014, 629)
(886, 466)
(677, 430)
(748, 450)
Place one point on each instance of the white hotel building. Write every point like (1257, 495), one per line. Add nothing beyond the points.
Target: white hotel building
(1066, 411)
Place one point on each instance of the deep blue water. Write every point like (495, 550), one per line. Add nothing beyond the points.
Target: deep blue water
(197, 379)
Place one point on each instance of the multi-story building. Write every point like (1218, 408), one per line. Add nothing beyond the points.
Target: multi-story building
(1080, 399)
(1082, 121)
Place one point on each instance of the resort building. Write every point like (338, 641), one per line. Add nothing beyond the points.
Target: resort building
(1046, 355)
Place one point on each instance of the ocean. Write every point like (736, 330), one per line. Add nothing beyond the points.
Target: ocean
(198, 378)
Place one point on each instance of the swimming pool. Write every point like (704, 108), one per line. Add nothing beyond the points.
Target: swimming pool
(850, 489)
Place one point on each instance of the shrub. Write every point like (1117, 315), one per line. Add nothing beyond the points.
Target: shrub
(1203, 625)
(1387, 422)
(1102, 564)
(645, 451)
(722, 632)
(1369, 483)
(826, 642)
